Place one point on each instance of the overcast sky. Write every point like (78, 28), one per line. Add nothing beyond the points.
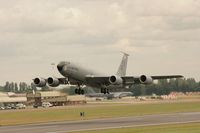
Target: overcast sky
(162, 36)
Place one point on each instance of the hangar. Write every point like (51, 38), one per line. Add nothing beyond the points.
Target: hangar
(56, 98)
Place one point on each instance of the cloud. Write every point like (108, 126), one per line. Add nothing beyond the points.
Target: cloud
(160, 34)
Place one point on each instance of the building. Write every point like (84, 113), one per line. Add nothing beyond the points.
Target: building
(76, 99)
(9, 97)
(56, 98)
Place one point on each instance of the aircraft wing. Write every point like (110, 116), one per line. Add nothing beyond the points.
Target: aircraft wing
(63, 80)
(127, 80)
(97, 79)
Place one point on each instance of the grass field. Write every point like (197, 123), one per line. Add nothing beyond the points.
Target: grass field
(177, 128)
(92, 112)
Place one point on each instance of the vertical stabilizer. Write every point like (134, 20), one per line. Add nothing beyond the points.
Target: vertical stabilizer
(123, 65)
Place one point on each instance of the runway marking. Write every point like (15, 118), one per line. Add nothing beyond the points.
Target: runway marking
(118, 127)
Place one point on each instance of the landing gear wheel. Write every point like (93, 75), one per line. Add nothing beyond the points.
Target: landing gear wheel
(76, 91)
(79, 91)
(82, 92)
(102, 90)
(105, 91)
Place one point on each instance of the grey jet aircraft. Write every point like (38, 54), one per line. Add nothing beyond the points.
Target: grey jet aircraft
(77, 75)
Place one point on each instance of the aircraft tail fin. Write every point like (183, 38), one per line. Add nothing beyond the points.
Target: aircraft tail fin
(123, 65)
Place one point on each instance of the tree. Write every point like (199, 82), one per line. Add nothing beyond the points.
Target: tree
(136, 89)
(2, 88)
(11, 87)
(7, 89)
(45, 88)
(16, 87)
(33, 87)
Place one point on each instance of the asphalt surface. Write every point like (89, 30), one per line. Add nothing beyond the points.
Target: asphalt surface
(84, 125)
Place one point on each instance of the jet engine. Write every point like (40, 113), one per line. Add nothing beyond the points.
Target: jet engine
(115, 80)
(39, 82)
(145, 79)
(53, 82)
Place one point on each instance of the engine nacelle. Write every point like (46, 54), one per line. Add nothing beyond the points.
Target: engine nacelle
(53, 82)
(39, 82)
(115, 80)
(145, 79)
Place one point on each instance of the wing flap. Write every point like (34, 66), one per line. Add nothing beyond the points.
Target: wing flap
(166, 77)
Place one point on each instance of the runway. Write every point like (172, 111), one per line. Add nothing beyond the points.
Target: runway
(97, 124)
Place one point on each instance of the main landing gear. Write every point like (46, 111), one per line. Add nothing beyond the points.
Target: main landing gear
(79, 91)
(105, 91)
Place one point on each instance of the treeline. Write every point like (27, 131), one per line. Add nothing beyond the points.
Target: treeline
(22, 87)
(164, 87)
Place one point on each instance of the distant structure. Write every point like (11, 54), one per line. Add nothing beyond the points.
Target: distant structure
(56, 98)
(12, 98)
(122, 94)
(111, 95)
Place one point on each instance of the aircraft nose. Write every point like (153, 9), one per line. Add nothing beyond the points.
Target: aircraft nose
(60, 66)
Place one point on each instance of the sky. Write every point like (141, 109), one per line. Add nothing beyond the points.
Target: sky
(161, 36)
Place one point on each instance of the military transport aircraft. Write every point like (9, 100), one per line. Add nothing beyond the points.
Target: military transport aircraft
(77, 75)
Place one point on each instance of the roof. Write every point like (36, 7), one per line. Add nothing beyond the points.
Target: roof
(12, 94)
(49, 93)
(76, 98)
(9, 98)
(12, 99)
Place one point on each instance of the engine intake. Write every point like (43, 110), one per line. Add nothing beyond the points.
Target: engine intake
(145, 79)
(115, 80)
(39, 82)
(53, 82)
